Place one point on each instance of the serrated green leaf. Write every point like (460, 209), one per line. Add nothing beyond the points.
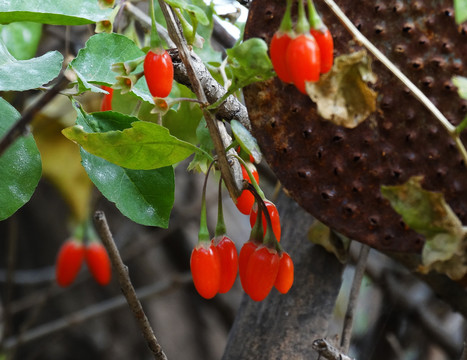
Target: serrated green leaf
(144, 146)
(460, 10)
(20, 75)
(246, 140)
(342, 95)
(53, 12)
(20, 166)
(428, 213)
(21, 38)
(144, 196)
(250, 62)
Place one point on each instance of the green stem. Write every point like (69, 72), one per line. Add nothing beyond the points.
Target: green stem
(257, 234)
(313, 17)
(203, 234)
(251, 177)
(220, 227)
(303, 27)
(286, 23)
(461, 127)
(155, 41)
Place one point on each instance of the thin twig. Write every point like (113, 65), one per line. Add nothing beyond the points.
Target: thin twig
(231, 175)
(353, 298)
(464, 353)
(326, 350)
(102, 308)
(127, 287)
(451, 129)
(20, 127)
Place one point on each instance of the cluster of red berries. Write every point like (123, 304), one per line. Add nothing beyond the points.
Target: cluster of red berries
(300, 55)
(71, 256)
(262, 263)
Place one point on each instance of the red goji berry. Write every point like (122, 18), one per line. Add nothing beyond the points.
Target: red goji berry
(273, 214)
(261, 272)
(229, 262)
(69, 260)
(159, 72)
(246, 199)
(277, 50)
(303, 60)
(98, 263)
(205, 267)
(247, 249)
(326, 48)
(285, 275)
(107, 100)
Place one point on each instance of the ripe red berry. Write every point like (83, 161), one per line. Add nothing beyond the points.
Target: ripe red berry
(273, 214)
(285, 275)
(107, 100)
(303, 60)
(277, 49)
(247, 249)
(205, 267)
(326, 48)
(69, 260)
(261, 272)
(159, 72)
(246, 199)
(229, 262)
(98, 263)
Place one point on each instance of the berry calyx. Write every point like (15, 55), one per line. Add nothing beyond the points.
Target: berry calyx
(273, 214)
(69, 260)
(246, 199)
(261, 272)
(98, 263)
(205, 268)
(285, 275)
(229, 262)
(159, 72)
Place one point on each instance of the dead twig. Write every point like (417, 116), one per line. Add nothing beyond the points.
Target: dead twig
(127, 287)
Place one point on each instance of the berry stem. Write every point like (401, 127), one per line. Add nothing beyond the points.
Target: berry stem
(203, 234)
(220, 227)
(155, 41)
(286, 23)
(303, 27)
(313, 17)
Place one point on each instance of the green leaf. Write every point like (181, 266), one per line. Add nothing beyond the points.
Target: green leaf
(342, 95)
(428, 213)
(93, 62)
(183, 122)
(20, 75)
(460, 10)
(201, 162)
(54, 12)
(246, 140)
(461, 83)
(333, 242)
(196, 10)
(250, 62)
(144, 146)
(144, 196)
(21, 38)
(20, 166)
